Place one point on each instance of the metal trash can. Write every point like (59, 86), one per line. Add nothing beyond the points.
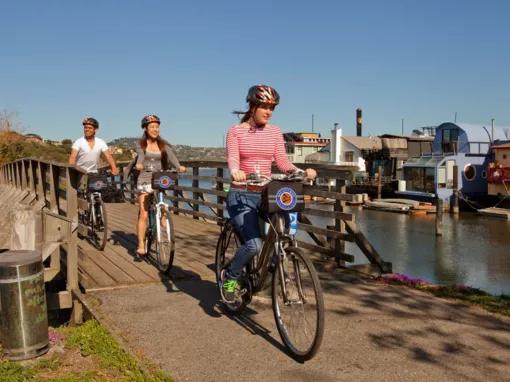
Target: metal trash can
(23, 314)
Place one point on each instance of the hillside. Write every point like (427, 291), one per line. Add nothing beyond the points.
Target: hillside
(14, 146)
(183, 152)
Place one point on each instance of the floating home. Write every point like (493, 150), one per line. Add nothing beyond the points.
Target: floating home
(467, 147)
(499, 171)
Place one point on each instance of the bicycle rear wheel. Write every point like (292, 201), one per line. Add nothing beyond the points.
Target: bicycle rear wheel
(227, 245)
(100, 225)
(298, 304)
(165, 243)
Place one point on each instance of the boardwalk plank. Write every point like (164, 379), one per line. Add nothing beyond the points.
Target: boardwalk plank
(101, 260)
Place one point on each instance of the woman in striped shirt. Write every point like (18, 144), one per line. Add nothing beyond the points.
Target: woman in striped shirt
(251, 148)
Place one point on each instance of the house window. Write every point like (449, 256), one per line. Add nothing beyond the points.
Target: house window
(504, 156)
(469, 172)
(420, 179)
(441, 177)
(299, 150)
(450, 139)
(349, 156)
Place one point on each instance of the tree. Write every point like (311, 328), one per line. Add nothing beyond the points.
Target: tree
(9, 121)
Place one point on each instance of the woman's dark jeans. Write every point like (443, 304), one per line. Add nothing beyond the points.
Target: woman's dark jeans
(242, 207)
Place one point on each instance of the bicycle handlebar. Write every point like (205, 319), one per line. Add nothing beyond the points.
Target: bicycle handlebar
(261, 180)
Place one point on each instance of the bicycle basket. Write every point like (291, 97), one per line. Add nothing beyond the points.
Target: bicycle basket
(281, 196)
(97, 182)
(163, 180)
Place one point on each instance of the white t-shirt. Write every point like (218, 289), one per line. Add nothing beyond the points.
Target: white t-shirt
(87, 157)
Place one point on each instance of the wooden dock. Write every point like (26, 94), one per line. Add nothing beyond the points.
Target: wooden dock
(500, 213)
(115, 267)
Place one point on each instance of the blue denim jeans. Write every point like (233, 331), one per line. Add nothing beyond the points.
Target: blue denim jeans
(242, 207)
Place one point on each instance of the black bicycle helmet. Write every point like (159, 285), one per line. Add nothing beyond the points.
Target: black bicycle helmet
(148, 119)
(263, 94)
(91, 121)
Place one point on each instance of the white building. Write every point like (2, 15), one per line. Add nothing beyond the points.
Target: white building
(299, 145)
(345, 150)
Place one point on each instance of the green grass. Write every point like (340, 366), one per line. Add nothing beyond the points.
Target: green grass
(497, 304)
(108, 360)
(92, 339)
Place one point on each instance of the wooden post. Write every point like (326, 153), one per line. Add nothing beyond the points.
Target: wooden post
(17, 168)
(72, 184)
(195, 184)
(54, 188)
(219, 187)
(24, 184)
(379, 182)
(454, 205)
(12, 177)
(41, 181)
(339, 224)
(439, 216)
(31, 176)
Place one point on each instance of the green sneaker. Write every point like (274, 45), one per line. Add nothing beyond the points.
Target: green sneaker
(230, 286)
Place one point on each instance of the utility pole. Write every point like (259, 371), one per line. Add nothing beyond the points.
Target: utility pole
(312, 123)
(492, 129)
(402, 126)
(455, 118)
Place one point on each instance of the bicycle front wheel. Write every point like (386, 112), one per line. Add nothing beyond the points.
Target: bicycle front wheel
(99, 225)
(298, 304)
(165, 241)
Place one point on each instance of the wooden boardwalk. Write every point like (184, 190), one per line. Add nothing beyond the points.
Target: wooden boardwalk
(115, 266)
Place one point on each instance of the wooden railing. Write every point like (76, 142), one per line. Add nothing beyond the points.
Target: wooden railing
(199, 193)
(54, 187)
(205, 198)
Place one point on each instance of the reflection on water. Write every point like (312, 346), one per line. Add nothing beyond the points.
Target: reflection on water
(473, 250)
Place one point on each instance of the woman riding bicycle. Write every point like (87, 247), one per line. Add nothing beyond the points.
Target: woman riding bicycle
(154, 154)
(252, 146)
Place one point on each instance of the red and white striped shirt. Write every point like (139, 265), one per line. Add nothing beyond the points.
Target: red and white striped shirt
(252, 150)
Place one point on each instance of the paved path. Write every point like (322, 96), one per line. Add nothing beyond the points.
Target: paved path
(373, 331)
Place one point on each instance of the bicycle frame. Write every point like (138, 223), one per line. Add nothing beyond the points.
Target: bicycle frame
(272, 242)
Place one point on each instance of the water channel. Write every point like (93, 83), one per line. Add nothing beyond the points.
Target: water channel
(473, 251)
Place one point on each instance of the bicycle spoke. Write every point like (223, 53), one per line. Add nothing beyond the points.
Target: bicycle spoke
(298, 312)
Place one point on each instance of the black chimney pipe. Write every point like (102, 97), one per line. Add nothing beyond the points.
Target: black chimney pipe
(359, 121)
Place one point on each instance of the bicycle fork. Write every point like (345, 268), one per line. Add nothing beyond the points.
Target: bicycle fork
(161, 205)
(285, 276)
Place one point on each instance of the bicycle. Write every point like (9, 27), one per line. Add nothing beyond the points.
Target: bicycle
(93, 218)
(159, 234)
(296, 294)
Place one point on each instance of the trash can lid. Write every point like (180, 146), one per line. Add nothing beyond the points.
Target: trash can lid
(19, 257)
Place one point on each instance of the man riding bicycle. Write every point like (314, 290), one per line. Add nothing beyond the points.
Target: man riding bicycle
(251, 148)
(87, 150)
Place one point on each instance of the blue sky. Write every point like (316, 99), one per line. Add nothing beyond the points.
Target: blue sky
(192, 62)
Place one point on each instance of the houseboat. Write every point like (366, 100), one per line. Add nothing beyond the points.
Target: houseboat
(499, 171)
(462, 145)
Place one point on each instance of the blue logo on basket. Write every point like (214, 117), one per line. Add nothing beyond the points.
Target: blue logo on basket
(164, 181)
(286, 198)
(98, 185)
